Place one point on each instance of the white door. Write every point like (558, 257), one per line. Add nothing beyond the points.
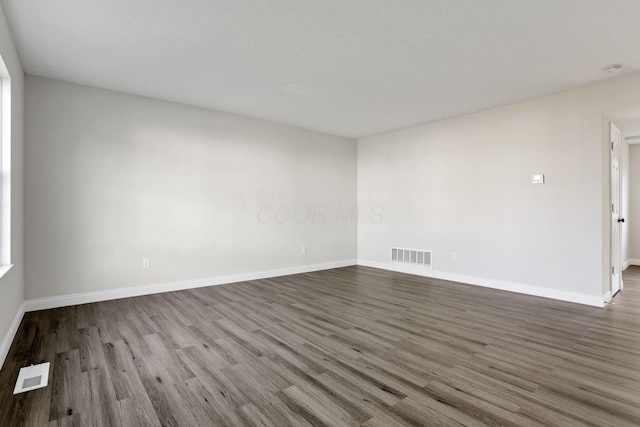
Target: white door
(616, 220)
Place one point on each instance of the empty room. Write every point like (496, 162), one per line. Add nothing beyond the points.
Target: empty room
(319, 213)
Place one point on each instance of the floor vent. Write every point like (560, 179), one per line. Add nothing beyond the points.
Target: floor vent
(415, 257)
(32, 377)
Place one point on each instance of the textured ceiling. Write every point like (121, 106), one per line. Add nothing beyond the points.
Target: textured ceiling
(347, 67)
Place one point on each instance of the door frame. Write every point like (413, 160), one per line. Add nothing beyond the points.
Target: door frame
(606, 122)
(615, 213)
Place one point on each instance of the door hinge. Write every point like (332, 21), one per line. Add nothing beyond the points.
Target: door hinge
(612, 144)
(613, 270)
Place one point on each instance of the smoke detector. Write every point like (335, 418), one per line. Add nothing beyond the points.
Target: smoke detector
(613, 68)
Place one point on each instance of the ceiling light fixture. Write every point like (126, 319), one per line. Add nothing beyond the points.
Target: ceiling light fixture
(613, 68)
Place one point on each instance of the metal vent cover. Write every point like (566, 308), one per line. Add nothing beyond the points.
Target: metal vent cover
(417, 257)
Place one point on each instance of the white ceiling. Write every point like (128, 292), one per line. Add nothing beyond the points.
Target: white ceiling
(347, 67)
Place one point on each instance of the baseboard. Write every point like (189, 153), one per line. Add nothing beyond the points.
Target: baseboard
(630, 262)
(11, 333)
(520, 288)
(111, 294)
(607, 297)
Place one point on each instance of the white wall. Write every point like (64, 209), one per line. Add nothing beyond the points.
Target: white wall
(112, 178)
(634, 202)
(12, 283)
(464, 185)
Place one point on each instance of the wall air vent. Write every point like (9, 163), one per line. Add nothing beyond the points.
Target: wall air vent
(419, 258)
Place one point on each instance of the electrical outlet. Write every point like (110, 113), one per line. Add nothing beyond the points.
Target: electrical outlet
(146, 263)
(303, 250)
(454, 256)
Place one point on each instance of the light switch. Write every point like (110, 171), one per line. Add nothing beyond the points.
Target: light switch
(537, 178)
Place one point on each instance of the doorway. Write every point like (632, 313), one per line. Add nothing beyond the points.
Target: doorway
(624, 149)
(616, 215)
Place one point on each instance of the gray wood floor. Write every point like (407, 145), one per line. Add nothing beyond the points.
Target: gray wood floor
(348, 346)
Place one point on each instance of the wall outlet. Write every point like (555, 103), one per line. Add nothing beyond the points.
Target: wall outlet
(454, 256)
(146, 263)
(303, 250)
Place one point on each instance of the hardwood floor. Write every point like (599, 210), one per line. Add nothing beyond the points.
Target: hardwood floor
(348, 346)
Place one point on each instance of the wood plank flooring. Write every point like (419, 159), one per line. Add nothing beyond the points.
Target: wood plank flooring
(343, 347)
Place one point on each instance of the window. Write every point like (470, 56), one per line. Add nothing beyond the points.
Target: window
(5, 169)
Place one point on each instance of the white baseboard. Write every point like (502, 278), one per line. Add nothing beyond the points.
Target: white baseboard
(520, 288)
(111, 294)
(630, 262)
(11, 333)
(607, 297)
